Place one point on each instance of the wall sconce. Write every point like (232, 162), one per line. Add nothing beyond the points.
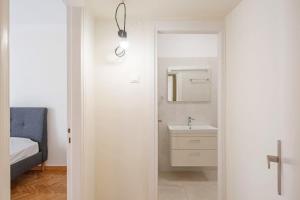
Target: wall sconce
(120, 51)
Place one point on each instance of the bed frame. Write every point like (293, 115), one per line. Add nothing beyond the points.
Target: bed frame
(29, 123)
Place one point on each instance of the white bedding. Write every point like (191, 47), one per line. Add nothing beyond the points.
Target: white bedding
(22, 148)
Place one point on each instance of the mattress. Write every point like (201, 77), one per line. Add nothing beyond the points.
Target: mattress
(22, 148)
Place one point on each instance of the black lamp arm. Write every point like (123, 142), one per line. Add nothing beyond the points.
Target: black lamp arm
(122, 32)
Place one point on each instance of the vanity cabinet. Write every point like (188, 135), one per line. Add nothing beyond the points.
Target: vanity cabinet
(193, 150)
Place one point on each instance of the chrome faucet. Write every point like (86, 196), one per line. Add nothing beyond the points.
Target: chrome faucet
(190, 119)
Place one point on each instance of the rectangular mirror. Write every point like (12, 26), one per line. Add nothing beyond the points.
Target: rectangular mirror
(189, 84)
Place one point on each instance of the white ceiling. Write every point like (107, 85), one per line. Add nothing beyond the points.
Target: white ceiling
(165, 9)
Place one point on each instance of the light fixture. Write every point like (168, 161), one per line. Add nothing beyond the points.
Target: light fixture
(120, 51)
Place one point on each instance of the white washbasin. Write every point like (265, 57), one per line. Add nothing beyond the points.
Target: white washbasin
(173, 129)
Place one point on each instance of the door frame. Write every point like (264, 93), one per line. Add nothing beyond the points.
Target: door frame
(205, 27)
(75, 100)
(4, 101)
(75, 148)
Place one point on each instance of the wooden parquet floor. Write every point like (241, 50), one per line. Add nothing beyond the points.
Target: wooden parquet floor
(37, 185)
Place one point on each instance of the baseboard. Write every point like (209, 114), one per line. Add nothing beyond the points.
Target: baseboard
(51, 168)
(56, 168)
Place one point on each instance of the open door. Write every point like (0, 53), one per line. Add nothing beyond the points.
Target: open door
(75, 116)
(263, 100)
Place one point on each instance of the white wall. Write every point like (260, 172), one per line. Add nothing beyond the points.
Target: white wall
(262, 39)
(187, 45)
(125, 128)
(125, 114)
(38, 76)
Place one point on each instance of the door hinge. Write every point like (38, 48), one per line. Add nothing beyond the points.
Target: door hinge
(69, 137)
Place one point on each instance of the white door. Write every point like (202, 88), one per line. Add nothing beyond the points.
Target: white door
(263, 99)
(291, 102)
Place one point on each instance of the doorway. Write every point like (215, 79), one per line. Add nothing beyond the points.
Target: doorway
(189, 93)
(38, 99)
(75, 98)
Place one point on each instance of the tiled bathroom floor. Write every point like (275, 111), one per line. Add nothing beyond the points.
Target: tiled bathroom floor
(187, 186)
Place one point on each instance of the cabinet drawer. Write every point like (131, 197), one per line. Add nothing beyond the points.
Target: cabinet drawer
(194, 158)
(194, 143)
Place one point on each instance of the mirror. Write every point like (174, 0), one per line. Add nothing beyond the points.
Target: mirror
(189, 84)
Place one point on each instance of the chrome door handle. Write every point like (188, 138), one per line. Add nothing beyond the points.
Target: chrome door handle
(276, 159)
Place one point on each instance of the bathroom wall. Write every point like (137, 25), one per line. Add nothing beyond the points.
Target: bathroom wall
(184, 50)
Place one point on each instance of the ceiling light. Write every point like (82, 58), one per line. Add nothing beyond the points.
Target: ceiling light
(124, 44)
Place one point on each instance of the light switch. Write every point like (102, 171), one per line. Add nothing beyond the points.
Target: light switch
(134, 78)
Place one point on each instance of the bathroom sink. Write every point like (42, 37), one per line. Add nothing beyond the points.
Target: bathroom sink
(194, 129)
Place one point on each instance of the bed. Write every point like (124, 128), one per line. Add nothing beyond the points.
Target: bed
(28, 131)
